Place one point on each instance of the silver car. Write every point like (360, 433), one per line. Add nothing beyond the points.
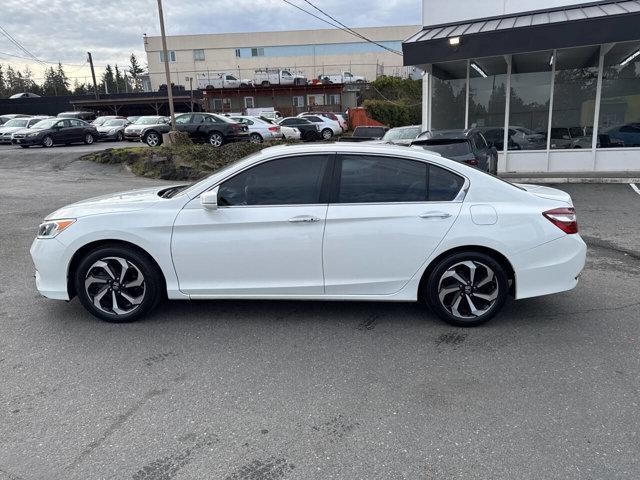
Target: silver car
(15, 124)
(259, 130)
(113, 129)
(153, 125)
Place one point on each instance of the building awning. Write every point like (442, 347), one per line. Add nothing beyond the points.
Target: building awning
(571, 26)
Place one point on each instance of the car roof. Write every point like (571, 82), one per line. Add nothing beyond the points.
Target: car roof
(448, 134)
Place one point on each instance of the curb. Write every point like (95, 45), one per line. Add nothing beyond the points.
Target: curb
(549, 180)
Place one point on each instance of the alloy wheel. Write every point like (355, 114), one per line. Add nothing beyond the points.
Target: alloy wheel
(327, 134)
(47, 141)
(215, 139)
(88, 139)
(153, 139)
(255, 138)
(468, 290)
(115, 286)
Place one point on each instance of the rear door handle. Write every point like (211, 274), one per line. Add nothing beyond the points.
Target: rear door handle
(304, 219)
(441, 215)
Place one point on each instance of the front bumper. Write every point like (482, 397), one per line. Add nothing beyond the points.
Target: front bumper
(552, 267)
(132, 135)
(50, 259)
(26, 141)
(107, 136)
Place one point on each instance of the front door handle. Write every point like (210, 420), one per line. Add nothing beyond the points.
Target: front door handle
(441, 215)
(304, 219)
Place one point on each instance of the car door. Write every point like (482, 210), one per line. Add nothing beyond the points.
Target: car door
(76, 130)
(265, 237)
(386, 216)
(61, 132)
(185, 124)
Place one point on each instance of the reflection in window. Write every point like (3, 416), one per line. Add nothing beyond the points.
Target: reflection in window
(619, 124)
(574, 96)
(449, 95)
(487, 93)
(530, 98)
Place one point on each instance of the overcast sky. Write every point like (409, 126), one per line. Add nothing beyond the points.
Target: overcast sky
(64, 30)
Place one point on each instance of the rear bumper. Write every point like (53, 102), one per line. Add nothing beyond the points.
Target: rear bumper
(549, 268)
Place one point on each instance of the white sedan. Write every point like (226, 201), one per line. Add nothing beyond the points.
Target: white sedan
(317, 222)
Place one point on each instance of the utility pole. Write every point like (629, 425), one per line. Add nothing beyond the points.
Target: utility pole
(166, 66)
(93, 74)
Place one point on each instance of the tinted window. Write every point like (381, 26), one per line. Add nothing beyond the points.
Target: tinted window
(288, 181)
(448, 149)
(76, 123)
(370, 179)
(313, 119)
(443, 184)
(183, 119)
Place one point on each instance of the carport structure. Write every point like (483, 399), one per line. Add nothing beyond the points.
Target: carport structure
(555, 90)
(154, 104)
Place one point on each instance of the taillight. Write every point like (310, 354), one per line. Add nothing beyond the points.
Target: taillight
(473, 162)
(563, 218)
(274, 129)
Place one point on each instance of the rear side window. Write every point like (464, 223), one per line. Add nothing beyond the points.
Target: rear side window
(286, 181)
(372, 179)
(448, 148)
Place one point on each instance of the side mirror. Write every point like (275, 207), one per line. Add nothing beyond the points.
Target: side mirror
(209, 200)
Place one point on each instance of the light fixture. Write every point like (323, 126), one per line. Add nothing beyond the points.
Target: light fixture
(477, 68)
(454, 41)
(551, 60)
(629, 58)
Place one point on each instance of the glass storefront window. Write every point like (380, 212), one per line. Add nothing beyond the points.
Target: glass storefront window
(530, 98)
(619, 124)
(448, 102)
(487, 98)
(574, 94)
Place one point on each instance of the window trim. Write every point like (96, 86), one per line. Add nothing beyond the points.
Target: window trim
(169, 52)
(253, 102)
(199, 59)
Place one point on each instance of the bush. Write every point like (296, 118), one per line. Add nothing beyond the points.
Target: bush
(393, 114)
(180, 161)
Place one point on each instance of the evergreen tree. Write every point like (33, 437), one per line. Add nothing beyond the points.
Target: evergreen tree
(62, 81)
(3, 87)
(135, 70)
(50, 84)
(108, 80)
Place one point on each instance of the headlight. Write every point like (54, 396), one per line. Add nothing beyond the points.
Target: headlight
(53, 227)
(113, 131)
(32, 134)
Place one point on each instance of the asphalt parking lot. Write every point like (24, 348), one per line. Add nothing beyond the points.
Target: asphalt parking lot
(292, 390)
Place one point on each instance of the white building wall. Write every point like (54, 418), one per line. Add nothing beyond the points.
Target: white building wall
(435, 12)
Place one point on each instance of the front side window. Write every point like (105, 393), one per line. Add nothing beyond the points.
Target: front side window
(183, 119)
(286, 181)
(76, 123)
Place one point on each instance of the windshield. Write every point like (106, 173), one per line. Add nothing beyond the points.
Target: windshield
(147, 121)
(114, 123)
(447, 148)
(46, 123)
(16, 122)
(402, 134)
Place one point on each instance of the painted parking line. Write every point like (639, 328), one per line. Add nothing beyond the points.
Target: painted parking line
(635, 188)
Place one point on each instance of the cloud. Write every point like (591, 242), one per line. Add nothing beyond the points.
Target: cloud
(64, 30)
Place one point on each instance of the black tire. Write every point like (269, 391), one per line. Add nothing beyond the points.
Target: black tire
(216, 139)
(119, 137)
(255, 138)
(89, 139)
(499, 286)
(153, 283)
(47, 141)
(327, 134)
(152, 138)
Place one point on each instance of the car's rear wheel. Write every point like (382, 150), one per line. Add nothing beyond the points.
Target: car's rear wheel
(327, 133)
(89, 139)
(47, 141)
(118, 284)
(153, 139)
(255, 138)
(216, 139)
(467, 289)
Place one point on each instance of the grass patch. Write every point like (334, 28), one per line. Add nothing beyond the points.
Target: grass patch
(183, 161)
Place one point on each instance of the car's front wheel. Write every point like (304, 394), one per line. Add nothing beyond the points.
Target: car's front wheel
(153, 139)
(119, 137)
(47, 141)
(327, 133)
(216, 139)
(118, 284)
(89, 139)
(466, 289)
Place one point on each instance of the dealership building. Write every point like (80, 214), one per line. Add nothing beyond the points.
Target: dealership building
(310, 52)
(553, 84)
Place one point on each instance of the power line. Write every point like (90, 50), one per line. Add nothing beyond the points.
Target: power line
(51, 62)
(339, 25)
(19, 45)
(351, 30)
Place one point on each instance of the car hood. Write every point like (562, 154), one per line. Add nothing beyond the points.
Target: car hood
(111, 203)
(29, 130)
(10, 129)
(546, 192)
(102, 128)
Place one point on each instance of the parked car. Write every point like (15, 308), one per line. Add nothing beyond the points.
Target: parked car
(259, 130)
(272, 114)
(133, 118)
(604, 141)
(224, 80)
(8, 116)
(80, 115)
(342, 77)
(331, 116)
(113, 129)
(402, 135)
(394, 224)
(309, 131)
(153, 125)
(54, 131)
(275, 76)
(15, 124)
(213, 129)
(100, 120)
(563, 137)
(327, 127)
(24, 95)
(629, 134)
(288, 133)
(366, 134)
(465, 146)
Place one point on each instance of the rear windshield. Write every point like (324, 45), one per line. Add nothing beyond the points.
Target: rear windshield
(369, 132)
(447, 148)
